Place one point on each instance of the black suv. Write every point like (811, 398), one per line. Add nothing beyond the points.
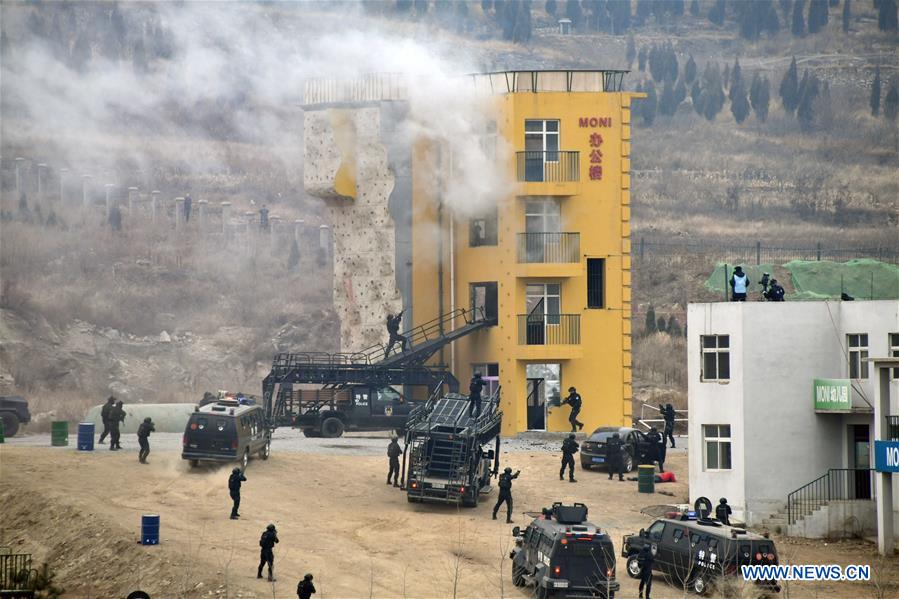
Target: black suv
(225, 431)
(563, 555)
(697, 554)
(635, 443)
(13, 411)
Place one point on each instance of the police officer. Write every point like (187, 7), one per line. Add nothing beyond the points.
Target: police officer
(645, 559)
(569, 448)
(775, 293)
(739, 283)
(655, 441)
(661, 451)
(474, 395)
(267, 555)
(574, 400)
(615, 456)
(393, 329)
(505, 493)
(305, 588)
(116, 417)
(723, 511)
(393, 453)
(234, 482)
(105, 415)
(669, 415)
(143, 439)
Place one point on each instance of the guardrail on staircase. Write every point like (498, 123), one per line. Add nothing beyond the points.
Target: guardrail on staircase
(839, 484)
(656, 419)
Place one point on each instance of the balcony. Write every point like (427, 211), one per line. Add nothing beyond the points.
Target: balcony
(549, 255)
(549, 336)
(548, 173)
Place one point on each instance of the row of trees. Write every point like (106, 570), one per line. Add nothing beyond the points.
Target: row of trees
(890, 103)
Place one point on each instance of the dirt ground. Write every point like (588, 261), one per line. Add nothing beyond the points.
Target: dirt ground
(335, 516)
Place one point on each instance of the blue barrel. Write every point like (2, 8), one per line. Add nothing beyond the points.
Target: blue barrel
(149, 529)
(85, 436)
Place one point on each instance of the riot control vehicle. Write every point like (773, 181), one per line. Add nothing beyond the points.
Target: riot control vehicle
(697, 554)
(226, 431)
(562, 554)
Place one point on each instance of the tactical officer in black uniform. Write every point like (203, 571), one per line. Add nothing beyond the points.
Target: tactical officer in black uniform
(393, 329)
(393, 453)
(775, 293)
(668, 414)
(569, 448)
(645, 558)
(143, 439)
(723, 511)
(267, 555)
(234, 482)
(305, 588)
(574, 400)
(105, 415)
(615, 456)
(474, 395)
(505, 493)
(655, 441)
(116, 417)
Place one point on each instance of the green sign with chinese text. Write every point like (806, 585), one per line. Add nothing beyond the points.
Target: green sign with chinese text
(832, 395)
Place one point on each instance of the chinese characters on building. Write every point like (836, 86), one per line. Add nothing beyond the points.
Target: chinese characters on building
(595, 144)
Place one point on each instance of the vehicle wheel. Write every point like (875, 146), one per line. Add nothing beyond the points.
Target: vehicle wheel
(194, 463)
(470, 501)
(310, 432)
(332, 427)
(245, 459)
(700, 585)
(411, 499)
(633, 567)
(10, 424)
(629, 463)
(517, 575)
(266, 450)
(543, 593)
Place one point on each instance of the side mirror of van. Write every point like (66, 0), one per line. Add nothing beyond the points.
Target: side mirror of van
(516, 531)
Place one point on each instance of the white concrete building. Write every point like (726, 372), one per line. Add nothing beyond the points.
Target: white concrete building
(765, 422)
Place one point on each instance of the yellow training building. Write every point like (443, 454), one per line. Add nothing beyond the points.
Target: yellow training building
(549, 259)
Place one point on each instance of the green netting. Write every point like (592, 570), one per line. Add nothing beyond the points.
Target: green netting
(717, 282)
(862, 279)
(817, 280)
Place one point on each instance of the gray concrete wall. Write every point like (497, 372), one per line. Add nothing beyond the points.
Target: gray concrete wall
(838, 520)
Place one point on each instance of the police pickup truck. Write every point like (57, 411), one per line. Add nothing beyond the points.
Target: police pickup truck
(561, 554)
(698, 554)
(328, 412)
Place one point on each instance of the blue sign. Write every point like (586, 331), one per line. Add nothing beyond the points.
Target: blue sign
(886, 456)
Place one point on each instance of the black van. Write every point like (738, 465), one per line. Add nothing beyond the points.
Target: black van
(225, 431)
(698, 554)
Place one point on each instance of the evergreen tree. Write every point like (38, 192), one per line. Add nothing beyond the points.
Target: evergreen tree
(403, 6)
(644, 9)
(786, 6)
(36, 24)
(891, 102)
(769, 20)
(667, 103)
(789, 88)
(551, 8)
(694, 8)
(817, 15)
(798, 27)
(874, 101)
(696, 97)
(886, 16)
(759, 97)
(675, 7)
(847, 15)
(650, 327)
(293, 260)
(421, 7)
(739, 105)
(748, 19)
(671, 66)
(690, 70)
(521, 29)
(736, 74)
(716, 14)
(620, 13)
(808, 93)
(680, 91)
(573, 11)
(648, 112)
(641, 59)
(631, 51)
(712, 97)
(139, 57)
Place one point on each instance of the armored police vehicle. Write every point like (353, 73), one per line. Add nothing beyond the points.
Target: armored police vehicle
(13, 412)
(697, 554)
(450, 459)
(561, 554)
(329, 412)
(225, 431)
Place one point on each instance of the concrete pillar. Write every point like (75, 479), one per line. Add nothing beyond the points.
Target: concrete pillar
(226, 216)
(274, 222)
(19, 164)
(63, 174)
(41, 167)
(132, 198)
(179, 212)
(85, 182)
(155, 203)
(203, 211)
(883, 481)
(109, 187)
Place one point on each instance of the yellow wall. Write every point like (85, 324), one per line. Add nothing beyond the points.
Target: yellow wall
(599, 210)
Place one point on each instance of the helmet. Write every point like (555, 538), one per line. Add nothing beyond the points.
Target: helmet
(307, 577)
(722, 500)
(148, 419)
(507, 470)
(571, 389)
(477, 375)
(270, 527)
(571, 436)
(235, 471)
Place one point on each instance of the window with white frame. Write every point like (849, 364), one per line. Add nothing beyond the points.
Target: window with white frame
(715, 357)
(716, 446)
(894, 351)
(490, 374)
(858, 351)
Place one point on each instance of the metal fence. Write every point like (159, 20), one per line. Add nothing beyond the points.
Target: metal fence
(839, 484)
(15, 570)
(760, 252)
(549, 248)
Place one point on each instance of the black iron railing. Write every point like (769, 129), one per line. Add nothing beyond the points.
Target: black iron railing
(15, 570)
(549, 248)
(839, 484)
(556, 167)
(892, 429)
(549, 329)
